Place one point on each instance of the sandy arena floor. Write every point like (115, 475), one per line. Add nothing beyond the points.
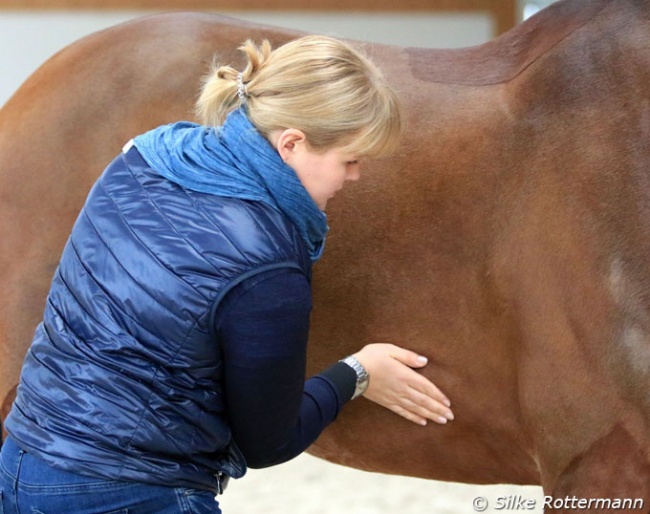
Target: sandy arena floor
(308, 485)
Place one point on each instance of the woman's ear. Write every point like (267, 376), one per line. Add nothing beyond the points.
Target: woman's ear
(289, 141)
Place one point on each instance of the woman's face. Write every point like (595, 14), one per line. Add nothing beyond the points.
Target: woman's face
(321, 173)
(325, 173)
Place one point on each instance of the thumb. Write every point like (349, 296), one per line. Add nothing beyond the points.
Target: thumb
(410, 358)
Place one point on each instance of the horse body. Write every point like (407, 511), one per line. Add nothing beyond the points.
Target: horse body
(507, 240)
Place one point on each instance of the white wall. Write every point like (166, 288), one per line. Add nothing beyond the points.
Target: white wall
(28, 38)
(530, 7)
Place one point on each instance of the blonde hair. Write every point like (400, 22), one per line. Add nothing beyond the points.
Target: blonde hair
(315, 84)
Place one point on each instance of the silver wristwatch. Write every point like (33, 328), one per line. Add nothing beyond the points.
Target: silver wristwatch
(362, 375)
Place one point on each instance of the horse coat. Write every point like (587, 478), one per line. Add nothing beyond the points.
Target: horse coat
(507, 240)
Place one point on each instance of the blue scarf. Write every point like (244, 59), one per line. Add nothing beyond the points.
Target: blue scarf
(234, 161)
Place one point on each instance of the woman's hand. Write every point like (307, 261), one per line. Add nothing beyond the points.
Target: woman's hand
(396, 386)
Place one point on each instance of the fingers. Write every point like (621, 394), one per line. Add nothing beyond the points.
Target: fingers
(426, 407)
(422, 401)
(394, 384)
(428, 389)
(411, 359)
(409, 415)
(417, 413)
(414, 360)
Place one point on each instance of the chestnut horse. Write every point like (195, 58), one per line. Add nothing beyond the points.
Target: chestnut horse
(508, 240)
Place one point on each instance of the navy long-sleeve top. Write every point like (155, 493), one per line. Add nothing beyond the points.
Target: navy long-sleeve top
(274, 414)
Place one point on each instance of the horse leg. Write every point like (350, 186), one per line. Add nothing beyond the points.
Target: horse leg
(612, 469)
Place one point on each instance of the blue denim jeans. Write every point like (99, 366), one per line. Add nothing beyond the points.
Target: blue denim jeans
(29, 485)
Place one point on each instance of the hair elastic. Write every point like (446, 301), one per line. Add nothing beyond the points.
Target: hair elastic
(241, 87)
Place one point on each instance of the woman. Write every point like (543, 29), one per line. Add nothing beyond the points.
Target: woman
(171, 355)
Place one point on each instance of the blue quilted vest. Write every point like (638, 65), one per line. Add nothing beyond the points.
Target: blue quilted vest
(123, 379)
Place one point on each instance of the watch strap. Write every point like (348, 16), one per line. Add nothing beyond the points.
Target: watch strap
(363, 378)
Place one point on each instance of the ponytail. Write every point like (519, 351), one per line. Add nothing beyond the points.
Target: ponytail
(316, 84)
